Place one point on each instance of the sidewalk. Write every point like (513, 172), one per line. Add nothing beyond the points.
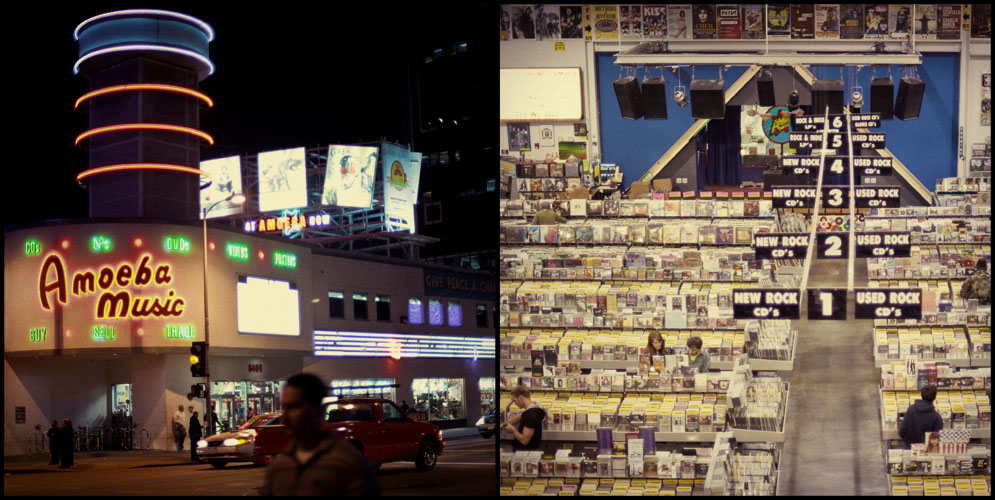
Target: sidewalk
(98, 459)
(460, 433)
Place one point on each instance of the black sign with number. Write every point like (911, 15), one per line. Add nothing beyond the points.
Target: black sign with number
(883, 244)
(835, 196)
(780, 245)
(860, 140)
(827, 303)
(832, 245)
(834, 164)
(872, 165)
(836, 122)
(884, 303)
(762, 303)
(877, 197)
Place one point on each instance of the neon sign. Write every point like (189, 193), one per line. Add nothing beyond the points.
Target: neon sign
(180, 332)
(101, 243)
(102, 333)
(285, 260)
(237, 251)
(37, 334)
(112, 304)
(287, 223)
(32, 247)
(177, 244)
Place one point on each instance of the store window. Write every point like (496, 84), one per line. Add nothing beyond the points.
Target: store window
(121, 402)
(359, 307)
(416, 312)
(383, 307)
(336, 304)
(440, 398)
(363, 388)
(481, 315)
(392, 413)
(486, 385)
(455, 314)
(434, 312)
(234, 399)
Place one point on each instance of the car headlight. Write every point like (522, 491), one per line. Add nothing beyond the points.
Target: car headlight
(481, 421)
(234, 442)
(202, 443)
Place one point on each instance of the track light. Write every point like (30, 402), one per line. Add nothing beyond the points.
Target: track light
(857, 97)
(681, 96)
(793, 98)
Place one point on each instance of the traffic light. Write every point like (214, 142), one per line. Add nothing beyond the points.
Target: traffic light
(198, 359)
(197, 390)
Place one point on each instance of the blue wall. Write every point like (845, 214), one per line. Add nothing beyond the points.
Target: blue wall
(927, 146)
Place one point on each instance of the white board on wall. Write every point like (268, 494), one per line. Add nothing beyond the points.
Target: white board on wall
(532, 94)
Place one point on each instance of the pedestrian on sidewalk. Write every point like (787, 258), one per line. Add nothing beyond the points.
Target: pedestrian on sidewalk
(195, 433)
(66, 444)
(920, 418)
(248, 415)
(53, 442)
(316, 462)
(404, 406)
(179, 430)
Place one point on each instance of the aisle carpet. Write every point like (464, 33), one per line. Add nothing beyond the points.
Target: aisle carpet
(833, 440)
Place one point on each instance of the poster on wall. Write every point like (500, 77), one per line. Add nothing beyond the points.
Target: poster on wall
(778, 21)
(802, 21)
(505, 15)
(282, 179)
(876, 20)
(631, 21)
(851, 22)
(578, 150)
(349, 176)
(571, 19)
(523, 26)
(729, 26)
(900, 18)
(949, 22)
(679, 17)
(986, 99)
(401, 170)
(655, 21)
(605, 22)
(518, 137)
(925, 21)
(981, 20)
(547, 22)
(226, 175)
(753, 22)
(546, 136)
(704, 22)
(827, 21)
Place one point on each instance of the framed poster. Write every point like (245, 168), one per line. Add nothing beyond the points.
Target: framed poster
(349, 176)
(546, 136)
(827, 21)
(282, 179)
(226, 174)
(518, 137)
(547, 22)
(570, 22)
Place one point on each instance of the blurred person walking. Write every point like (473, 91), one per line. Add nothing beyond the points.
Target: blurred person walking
(196, 431)
(66, 444)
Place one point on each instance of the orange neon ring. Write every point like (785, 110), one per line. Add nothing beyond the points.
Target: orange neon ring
(145, 86)
(142, 166)
(145, 126)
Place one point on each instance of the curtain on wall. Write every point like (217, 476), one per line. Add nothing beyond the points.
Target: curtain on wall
(722, 165)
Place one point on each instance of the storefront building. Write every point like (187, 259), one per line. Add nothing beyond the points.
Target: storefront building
(100, 316)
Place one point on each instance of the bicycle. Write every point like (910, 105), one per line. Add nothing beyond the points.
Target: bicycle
(36, 441)
(144, 438)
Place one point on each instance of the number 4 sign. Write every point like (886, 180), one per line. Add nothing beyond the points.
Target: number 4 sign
(827, 303)
(832, 245)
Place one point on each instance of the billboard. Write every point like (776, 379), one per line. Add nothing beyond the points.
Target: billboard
(401, 169)
(349, 176)
(282, 180)
(226, 174)
(268, 307)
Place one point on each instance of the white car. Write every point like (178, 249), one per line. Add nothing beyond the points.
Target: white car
(234, 446)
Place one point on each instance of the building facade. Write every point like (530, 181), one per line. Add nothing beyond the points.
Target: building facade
(100, 315)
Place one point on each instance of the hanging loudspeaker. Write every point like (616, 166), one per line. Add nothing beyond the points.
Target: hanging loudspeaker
(630, 99)
(827, 93)
(707, 99)
(654, 98)
(882, 91)
(909, 98)
(765, 88)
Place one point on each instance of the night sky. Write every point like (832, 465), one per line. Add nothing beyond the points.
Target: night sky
(288, 75)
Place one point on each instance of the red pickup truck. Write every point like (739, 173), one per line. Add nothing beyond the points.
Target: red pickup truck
(377, 427)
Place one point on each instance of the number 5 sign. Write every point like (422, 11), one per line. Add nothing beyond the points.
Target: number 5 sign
(832, 245)
(827, 303)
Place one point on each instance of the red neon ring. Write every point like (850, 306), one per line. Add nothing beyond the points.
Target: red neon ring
(145, 126)
(145, 86)
(141, 166)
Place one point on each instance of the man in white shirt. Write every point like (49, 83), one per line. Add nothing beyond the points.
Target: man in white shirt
(179, 430)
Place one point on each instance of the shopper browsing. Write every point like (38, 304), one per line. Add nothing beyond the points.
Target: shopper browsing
(920, 418)
(528, 432)
(654, 347)
(978, 286)
(546, 217)
(699, 359)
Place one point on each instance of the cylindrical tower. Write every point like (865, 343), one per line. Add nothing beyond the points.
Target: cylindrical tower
(144, 66)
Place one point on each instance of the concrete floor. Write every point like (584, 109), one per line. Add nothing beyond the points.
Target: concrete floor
(833, 440)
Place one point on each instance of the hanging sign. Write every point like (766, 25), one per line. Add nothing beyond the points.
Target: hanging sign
(810, 164)
(836, 122)
(778, 127)
(905, 303)
(832, 245)
(877, 197)
(883, 244)
(804, 196)
(780, 245)
(777, 303)
(829, 303)
(872, 165)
